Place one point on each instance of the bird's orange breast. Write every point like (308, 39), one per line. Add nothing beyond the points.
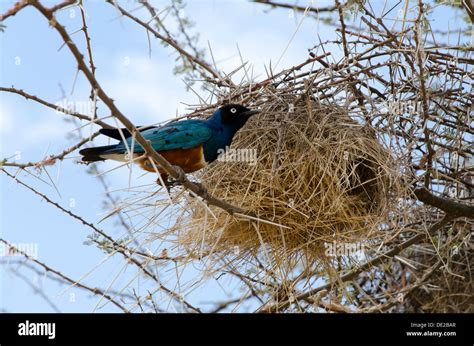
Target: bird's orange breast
(190, 160)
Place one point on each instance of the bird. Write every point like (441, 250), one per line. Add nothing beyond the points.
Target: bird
(190, 144)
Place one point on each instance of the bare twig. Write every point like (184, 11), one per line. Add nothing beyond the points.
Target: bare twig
(47, 268)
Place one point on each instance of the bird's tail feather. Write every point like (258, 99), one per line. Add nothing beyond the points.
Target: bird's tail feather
(94, 154)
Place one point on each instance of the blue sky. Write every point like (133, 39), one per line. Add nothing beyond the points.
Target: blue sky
(144, 88)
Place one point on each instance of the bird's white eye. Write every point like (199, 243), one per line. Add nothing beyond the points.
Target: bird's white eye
(233, 110)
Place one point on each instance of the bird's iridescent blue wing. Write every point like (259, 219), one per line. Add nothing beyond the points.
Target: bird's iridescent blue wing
(184, 134)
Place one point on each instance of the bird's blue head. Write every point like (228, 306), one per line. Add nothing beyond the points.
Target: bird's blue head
(231, 117)
(225, 122)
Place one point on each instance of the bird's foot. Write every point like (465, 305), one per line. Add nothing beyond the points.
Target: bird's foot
(173, 183)
(169, 183)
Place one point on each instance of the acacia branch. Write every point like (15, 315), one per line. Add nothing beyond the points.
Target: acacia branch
(448, 206)
(17, 263)
(87, 37)
(296, 7)
(47, 268)
(54, 107)
(469, 7)
(50, 160)
(193, 60)
(19, 5)
(420, 59)
(61, 5)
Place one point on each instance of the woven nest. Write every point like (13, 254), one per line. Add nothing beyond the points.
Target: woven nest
(319, 177)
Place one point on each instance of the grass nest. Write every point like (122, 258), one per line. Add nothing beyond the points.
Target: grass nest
(319, 177)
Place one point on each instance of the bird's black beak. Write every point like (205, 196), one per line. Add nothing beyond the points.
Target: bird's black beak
(250, 113)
